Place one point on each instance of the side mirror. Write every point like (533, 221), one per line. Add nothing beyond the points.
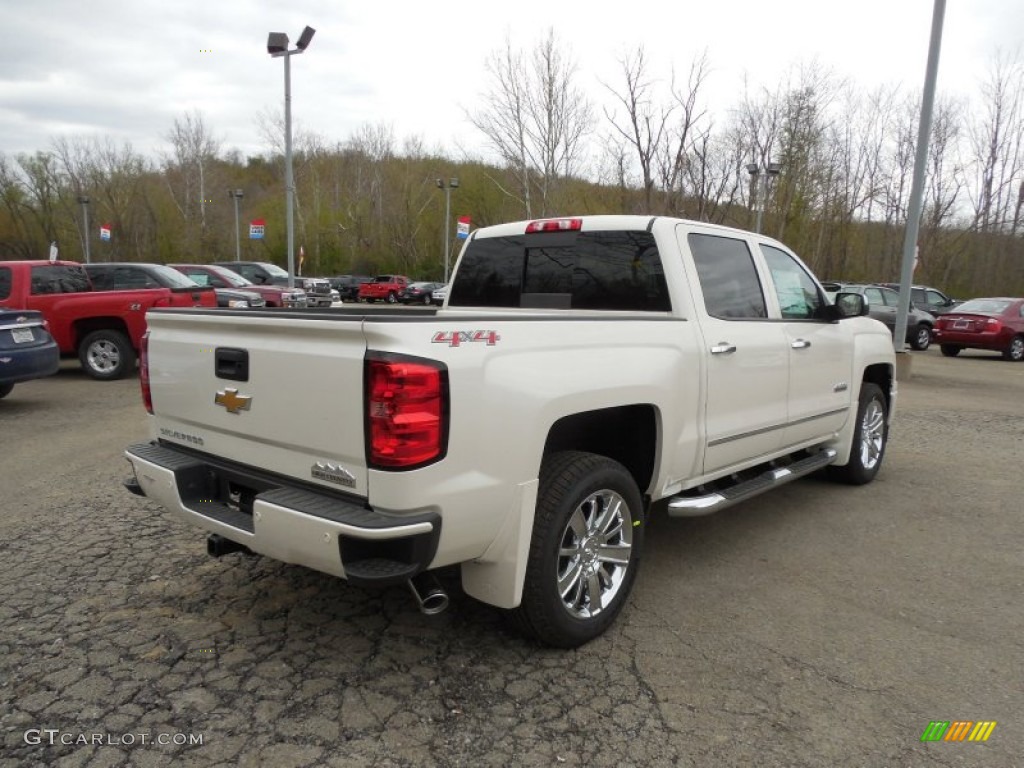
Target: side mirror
(851, 305)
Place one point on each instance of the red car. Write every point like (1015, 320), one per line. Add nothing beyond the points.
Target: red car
(383, 288)
(995, 324)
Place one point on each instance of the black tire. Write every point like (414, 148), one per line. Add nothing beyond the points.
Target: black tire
(950, 350)
(575, 489)
(392, 298)
(870, 436)
(1015, 352)
(107, 355)
(922, 337)
(5, 390)
(426, 300)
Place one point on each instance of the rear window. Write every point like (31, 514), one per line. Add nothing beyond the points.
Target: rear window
(5, 282)
(610, 270)
(984, 306)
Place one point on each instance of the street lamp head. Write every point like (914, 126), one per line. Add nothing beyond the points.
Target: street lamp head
(774, 169)
(238, 193)
(305, 38)
(277, 42)
(83, 199)
(453, 183)
(753, 169)
(439, 183)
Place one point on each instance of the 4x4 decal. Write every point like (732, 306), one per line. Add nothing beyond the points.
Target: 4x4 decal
(458, 338)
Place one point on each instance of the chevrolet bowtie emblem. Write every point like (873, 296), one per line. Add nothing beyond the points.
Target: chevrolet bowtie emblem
(232, 401)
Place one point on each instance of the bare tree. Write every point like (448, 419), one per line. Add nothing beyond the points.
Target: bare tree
(193, 150)
(996, 146)
(683, 137)
(645, 121)
(535, 118)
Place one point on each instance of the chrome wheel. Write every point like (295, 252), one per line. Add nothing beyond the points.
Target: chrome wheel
(872, 435)
(103, 356)
(585, 549)
(594, 554)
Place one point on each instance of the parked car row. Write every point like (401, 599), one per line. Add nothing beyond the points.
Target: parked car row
(882, 305)
(995, 324)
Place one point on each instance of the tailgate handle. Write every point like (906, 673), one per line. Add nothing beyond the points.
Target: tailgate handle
(232, 364)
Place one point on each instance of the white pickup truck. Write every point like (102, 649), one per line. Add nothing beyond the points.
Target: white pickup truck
(580, 370)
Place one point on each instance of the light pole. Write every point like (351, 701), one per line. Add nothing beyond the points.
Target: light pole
(277, 45)
(237, 194)
(447, 187)
(770, 170)
(84, 200)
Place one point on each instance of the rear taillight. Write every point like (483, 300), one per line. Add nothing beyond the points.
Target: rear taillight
(555, 225)
(406, 412)
(147, 394)
(993, 326)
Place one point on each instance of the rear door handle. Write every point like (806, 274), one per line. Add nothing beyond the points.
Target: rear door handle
(800, 344)
(723, 348)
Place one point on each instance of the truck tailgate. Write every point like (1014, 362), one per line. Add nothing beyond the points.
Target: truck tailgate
(282, 397)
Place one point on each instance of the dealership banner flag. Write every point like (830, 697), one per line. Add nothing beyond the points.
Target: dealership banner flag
(462, 232)
(105, 231)
(256, 229)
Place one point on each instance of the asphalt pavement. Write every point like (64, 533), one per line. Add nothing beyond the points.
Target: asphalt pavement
(819, 625)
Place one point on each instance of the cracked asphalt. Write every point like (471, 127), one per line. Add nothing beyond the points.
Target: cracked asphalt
(820, 625)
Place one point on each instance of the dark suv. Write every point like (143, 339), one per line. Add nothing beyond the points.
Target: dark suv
(347, 286)
(931, 300)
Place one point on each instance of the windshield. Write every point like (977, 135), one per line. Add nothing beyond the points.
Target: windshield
(275, 270)
(984, 306)
(233, 279)
(172, 278)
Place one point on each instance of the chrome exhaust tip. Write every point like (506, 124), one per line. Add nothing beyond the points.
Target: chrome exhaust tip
(430, 595)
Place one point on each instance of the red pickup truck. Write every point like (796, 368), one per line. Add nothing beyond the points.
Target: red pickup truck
(103, 328)
(384, 287)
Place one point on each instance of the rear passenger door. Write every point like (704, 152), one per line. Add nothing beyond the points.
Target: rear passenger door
(747, 354)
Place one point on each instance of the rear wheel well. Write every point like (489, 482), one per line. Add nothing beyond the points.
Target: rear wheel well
(89, 324)
(627, 434)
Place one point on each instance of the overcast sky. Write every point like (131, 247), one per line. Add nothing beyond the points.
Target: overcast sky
(126, 69)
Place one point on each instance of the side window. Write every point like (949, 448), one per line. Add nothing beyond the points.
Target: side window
(798, 296)
(891, 298)
(935, 299)
(58, 279)
(5, 282)
(199, 278)
(131, 278)
(874, 297)
(728, 279)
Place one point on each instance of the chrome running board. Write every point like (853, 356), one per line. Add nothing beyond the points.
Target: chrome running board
(696, 506)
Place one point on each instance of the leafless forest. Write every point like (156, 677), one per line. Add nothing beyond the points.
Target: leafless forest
(368, 203)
